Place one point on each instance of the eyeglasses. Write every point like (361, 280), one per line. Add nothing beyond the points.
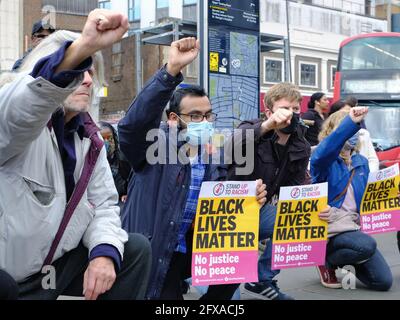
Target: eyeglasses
(210, 117)
(40, 36)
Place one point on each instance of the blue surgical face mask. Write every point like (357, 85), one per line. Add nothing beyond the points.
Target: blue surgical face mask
(199, 133)
(353, 141)
(107, 146)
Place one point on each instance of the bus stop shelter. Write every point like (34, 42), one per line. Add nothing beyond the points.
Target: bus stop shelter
(165, 33)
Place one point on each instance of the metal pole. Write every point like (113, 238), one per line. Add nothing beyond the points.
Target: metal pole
(389, 15)
(289, 66)
(201, 35)
(287, 59)
(139, 72)
(176, 30)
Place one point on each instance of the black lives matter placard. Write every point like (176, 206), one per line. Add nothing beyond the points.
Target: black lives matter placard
(299, 234)
(380, 207)
(225, 242)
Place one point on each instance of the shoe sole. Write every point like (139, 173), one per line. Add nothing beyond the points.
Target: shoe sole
(331, 286)
(328, 285)
(255, 295)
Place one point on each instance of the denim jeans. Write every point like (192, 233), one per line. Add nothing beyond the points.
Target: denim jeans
(266, 230)
(360, 250)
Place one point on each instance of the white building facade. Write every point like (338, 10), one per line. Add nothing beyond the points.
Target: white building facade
(317, 28)
(10, 33)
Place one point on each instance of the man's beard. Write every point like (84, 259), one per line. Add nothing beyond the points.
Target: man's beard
(70, 106)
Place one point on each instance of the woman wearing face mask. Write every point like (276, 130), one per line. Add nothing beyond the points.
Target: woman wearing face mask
(337, 162)
(317, 108)
(120, 168)
(366, 148)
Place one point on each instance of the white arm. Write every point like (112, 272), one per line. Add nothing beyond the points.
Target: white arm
(368, 151)
(26, 106)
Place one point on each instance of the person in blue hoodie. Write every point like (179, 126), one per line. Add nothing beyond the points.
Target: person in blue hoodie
(337, 162)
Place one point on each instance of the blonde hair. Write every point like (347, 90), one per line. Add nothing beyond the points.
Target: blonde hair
(280, 91)
(47, 47)
(330, 125)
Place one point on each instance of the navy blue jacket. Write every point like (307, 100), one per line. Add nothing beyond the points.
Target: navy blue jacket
(157, 193)
(328, 166)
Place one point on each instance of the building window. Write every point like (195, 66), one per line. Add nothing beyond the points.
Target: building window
(273, 70)
(332, 73)
(308, 74)
(190, 10)
(72, 6)
(105, 5)
(162, 10)
(116, 62)
(162, 4)
(192, 70)
(134, 10)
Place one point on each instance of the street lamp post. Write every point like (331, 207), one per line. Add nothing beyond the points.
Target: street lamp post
(287, 47)
(389, 15)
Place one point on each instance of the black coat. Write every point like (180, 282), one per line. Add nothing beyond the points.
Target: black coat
(275, 171)
(313, 130)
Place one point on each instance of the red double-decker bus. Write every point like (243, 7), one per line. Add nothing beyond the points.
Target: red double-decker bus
(369, 70)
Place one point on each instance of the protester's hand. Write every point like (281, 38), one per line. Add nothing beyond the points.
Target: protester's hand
(182, 53)
(99, 277)
(278, 120)
(357, 114)
(325, 214)
(261, 192)
(102, 29)
(123, 198)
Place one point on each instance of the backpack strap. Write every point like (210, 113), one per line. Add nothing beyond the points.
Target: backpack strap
(81, 186)
(347, 186)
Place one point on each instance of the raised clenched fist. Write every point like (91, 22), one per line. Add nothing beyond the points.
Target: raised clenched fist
(357, 114)
(182, 53)
(278, 120)
(103, 28)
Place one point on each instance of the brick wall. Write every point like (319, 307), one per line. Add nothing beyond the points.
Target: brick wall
(123, 89)
(32, 12)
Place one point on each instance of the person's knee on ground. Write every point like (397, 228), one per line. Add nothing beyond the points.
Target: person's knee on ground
(384, 283)
(8, 287)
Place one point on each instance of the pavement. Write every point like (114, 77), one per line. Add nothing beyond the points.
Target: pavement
(304, 283)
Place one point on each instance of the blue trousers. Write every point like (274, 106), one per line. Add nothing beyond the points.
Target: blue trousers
(266, 230)
(360, 250)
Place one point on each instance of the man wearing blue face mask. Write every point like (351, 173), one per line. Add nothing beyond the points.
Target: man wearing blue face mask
(190, 108)
(163, 194)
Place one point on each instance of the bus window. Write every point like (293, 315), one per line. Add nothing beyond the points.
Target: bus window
(385, 133)
(371, 53)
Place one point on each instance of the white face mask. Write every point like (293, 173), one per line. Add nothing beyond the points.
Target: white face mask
(199, 133)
